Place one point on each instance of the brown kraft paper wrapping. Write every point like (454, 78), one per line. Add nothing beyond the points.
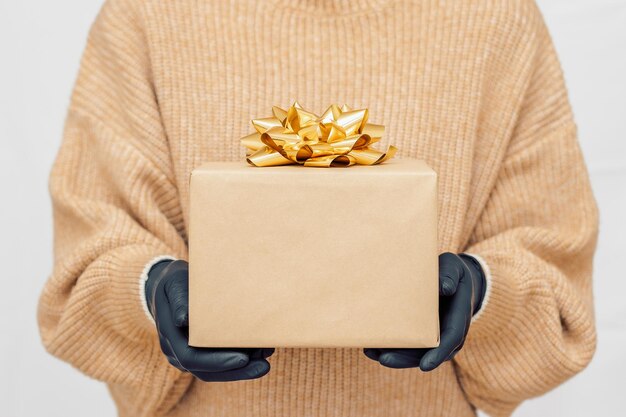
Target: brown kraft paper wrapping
(289, 256)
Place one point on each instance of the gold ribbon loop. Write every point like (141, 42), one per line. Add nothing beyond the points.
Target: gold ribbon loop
(339, 137)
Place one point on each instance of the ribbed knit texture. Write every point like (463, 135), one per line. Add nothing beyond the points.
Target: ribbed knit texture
(473, 87)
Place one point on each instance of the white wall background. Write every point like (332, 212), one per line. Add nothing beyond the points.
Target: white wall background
(40, 46)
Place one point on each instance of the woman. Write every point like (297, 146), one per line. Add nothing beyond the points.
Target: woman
(473, 87)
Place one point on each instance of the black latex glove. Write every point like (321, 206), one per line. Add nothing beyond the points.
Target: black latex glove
(461, 292)
(167, 295)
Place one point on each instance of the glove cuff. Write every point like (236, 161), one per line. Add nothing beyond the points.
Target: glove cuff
(143, 282)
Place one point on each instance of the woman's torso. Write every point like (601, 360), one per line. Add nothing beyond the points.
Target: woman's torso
(441, 78)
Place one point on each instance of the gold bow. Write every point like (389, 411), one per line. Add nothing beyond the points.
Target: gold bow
(339, 137)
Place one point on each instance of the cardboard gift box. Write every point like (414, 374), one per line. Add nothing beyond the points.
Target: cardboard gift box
(289, 256)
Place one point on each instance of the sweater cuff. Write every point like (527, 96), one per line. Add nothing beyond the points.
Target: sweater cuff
(110, 286)
(501, 298)
(142, 282)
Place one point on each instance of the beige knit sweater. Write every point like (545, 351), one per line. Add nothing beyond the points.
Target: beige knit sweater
(471, 86)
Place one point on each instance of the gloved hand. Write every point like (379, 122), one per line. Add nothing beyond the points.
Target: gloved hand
(461, 291)
(167, 296)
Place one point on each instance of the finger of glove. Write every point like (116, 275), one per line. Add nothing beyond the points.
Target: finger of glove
(454, 328)
(210, 360)
(213, 360)
(450, 273)
(177, 292)
(166, 348)
(255, 353)
(261, 353)
(402, 358)
(372, 353)
(255, 369)
(453, 354)
(174, 362)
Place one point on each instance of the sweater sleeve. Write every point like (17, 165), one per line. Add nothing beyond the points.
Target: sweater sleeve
(535, 237)
(115, 210)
